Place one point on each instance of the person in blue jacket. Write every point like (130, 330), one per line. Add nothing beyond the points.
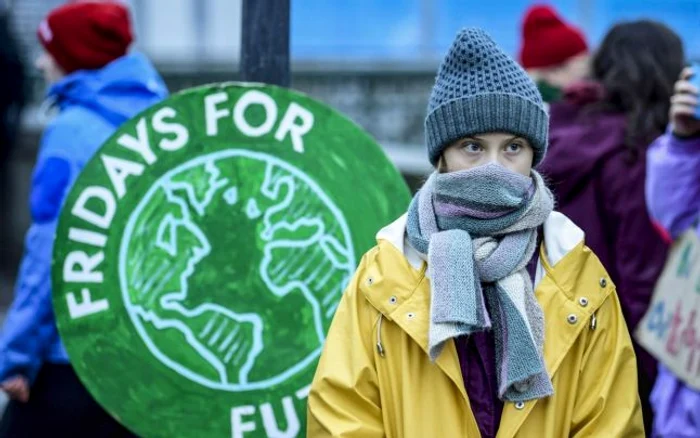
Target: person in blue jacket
(96, 85)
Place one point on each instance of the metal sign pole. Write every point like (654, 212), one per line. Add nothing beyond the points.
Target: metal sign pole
(265, 42)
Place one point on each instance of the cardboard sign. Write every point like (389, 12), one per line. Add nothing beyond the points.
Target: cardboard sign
(670, 330)
(202, 252)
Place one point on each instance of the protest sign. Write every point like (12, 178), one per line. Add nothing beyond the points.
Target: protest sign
(671, 328)
(202, 252)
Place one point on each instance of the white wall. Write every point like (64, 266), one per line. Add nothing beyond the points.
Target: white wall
(174, 32)
(189, 31)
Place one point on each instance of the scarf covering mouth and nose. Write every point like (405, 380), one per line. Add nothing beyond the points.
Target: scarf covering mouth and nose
(478, 229)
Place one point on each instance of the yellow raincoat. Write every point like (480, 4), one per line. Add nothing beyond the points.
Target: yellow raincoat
(375, 378)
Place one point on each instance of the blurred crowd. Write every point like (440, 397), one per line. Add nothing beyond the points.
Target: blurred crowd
(623, 164)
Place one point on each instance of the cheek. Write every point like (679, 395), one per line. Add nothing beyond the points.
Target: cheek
(459, 160)
(521, 163)
(522, 168)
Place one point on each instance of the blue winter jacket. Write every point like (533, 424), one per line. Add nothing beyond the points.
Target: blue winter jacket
(92, 105)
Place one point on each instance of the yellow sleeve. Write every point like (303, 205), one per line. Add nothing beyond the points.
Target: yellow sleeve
(607, 402)
(344, 398)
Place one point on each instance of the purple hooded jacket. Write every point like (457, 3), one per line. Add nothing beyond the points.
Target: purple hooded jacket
(673, 197)
(601, 189)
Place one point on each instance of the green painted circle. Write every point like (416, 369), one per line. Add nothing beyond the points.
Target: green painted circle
(201, 254)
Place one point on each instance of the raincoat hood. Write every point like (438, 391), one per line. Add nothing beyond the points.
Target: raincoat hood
(113, 91)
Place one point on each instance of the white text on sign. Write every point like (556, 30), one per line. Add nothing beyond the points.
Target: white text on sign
(249, 418)
(97, 205)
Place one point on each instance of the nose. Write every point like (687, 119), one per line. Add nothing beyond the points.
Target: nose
(494, 156)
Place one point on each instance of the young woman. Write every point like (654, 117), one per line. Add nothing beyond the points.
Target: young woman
(596, 164)
(673, 196)
(481, 311)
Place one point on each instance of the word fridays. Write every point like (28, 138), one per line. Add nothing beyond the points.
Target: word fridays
(97, 205)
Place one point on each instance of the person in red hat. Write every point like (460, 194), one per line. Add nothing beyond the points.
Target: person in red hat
(553, 52)
(83, 35)
(96, 84)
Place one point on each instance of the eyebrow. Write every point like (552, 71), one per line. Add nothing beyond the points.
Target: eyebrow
(515, 137)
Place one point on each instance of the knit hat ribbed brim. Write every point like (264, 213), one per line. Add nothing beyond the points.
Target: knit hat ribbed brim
(480, 89)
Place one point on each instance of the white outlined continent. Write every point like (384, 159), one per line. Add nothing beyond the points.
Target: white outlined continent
(306, 250)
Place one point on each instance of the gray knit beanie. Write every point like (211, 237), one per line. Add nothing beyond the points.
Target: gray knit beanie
(480, 89)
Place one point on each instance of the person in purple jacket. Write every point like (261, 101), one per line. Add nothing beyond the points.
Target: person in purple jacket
(673, 197)
(596, 163)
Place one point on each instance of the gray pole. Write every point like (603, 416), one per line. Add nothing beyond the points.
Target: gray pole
(427, 28)
(265, 42)
(199, 13)
(585, 18)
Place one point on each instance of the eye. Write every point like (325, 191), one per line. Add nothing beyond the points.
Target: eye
(514, 148)
(472, 147)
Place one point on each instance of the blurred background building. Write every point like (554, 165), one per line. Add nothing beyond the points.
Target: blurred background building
(374, 60)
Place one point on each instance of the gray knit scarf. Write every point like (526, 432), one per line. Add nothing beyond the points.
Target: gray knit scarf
(478, 229)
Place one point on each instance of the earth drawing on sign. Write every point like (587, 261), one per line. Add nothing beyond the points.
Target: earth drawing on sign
(285, 266)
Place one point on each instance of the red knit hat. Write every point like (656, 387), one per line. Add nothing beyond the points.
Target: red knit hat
(548, 40)
(86, 35)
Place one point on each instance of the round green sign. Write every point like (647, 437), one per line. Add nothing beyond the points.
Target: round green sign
(202, 252)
